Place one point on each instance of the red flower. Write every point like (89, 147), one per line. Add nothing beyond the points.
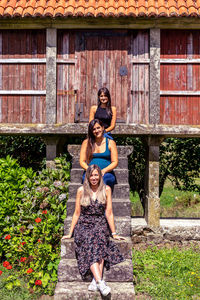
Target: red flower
(38, 220)
(1, 272)
(7, 237)
(6, 263)
(39, 241)
(44, 212)
(29, 271)
(38, 282)
(23, 243)
(22, 259)
(9, 267)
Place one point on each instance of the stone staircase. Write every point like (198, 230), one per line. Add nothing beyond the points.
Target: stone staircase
(120, 276)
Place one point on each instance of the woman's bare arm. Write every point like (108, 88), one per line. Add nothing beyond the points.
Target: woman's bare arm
(113, 121)
(76, 214)
(92, 112)
(83, 155)
(109, 213)
(114, 157)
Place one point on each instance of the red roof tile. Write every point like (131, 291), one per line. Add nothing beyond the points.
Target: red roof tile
(96, 8)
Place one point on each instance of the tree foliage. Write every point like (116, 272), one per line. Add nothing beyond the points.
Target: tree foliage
(28, 150)
(179, 162)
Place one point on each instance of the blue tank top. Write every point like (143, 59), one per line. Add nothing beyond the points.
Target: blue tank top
(101, 159)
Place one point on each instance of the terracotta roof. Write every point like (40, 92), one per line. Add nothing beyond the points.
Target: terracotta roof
(96, 8)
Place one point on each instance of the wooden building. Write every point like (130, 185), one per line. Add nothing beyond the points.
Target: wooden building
(55, 55)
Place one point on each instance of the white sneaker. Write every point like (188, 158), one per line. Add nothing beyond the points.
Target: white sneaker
(93, 286)
(103, 288)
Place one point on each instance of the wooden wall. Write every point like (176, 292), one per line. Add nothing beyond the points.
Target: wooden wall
(22, 76)
(87, 60)
(180, 77)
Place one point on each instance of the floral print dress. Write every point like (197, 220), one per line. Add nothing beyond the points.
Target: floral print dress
(92, 239)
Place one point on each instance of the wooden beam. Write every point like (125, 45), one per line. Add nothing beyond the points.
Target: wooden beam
(180, 93)
(22, 60)
(180, 61)
(67, 61)
(140, 61)
(35, 61)
(51, 52)
(154, 77)
(101, 23)
(23, 92)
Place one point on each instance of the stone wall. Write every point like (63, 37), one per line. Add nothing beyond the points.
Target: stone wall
(142, 234)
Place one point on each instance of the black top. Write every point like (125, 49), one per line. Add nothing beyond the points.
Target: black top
(101, 114)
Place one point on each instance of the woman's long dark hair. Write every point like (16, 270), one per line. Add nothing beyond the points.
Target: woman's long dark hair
(91, 137)
(108, 104)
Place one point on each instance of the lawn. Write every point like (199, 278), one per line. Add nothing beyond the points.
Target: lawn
(173, 203)
(167, 273)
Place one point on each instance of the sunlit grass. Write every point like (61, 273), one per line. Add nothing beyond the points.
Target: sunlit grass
(167, 273)
(173, 203)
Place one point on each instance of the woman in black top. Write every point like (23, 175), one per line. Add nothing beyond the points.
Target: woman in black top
(104, 111)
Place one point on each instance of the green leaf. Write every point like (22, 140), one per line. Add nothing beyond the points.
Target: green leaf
(9, 286)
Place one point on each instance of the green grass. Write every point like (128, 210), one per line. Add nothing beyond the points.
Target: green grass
(173, 203)
(167, 273)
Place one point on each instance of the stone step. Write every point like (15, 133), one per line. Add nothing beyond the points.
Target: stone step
(120, 190)
(123, 225)
(74, 291)
(121, 175)
(122, 164)
(123, 151)
(121, 207)
(68, 248)
(68, 271)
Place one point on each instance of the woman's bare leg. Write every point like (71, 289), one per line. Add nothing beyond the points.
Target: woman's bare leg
(101, 263)
(96, 271)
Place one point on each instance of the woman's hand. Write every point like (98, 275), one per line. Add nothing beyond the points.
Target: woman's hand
(118, 237)
(103, 172)
(66, 237)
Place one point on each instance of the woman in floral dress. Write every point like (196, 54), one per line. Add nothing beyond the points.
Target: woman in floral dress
(92, 219)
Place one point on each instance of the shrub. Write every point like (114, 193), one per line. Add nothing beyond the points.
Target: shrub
(32, 227)
(28, 150)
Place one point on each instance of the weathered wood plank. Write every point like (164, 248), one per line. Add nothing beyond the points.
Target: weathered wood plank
(180, 61)
(180, 93)
(22, 92)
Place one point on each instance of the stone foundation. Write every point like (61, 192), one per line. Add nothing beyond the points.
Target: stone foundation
(176, 230)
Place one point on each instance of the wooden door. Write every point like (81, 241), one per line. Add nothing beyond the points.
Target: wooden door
(103, 62)
(91, 59)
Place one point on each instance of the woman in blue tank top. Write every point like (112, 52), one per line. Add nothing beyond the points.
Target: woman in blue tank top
(101, 151)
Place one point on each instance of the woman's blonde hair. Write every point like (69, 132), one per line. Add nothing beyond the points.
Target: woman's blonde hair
(87, 191)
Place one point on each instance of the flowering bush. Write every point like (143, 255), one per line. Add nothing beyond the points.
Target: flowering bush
(31, 222)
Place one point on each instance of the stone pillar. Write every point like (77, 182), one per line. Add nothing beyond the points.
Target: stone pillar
(51, 52)
(152, 205)
(54, 147)
(154, 84)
